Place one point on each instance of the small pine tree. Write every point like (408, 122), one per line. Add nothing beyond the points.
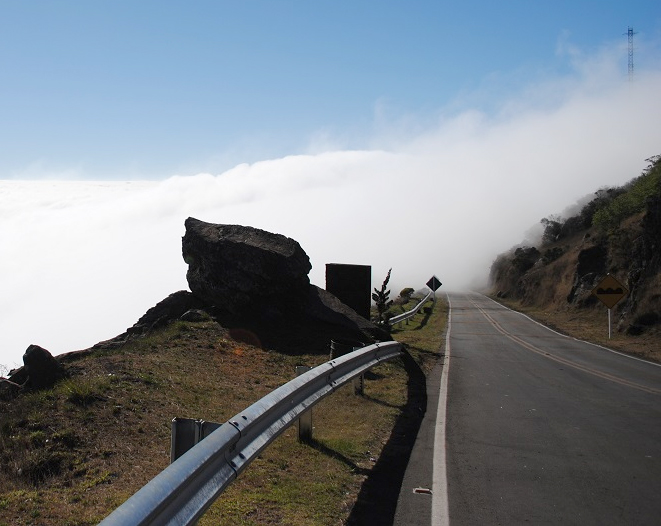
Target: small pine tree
(381, 299)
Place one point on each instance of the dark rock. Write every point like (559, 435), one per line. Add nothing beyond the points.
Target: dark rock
(19, 376)
(238, 269)
(647, 319)
(592, 261)
(171, 308)
(325, 307)
(256, 284)
(9, 389)
(42, 369)
(590, 268)
(308, 328)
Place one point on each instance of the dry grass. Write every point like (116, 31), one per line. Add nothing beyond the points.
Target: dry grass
(72, 454)
(423, 335)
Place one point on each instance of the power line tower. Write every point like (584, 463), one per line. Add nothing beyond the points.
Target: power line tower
(630, 35)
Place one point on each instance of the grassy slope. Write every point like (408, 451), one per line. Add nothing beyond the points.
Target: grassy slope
(71, 454)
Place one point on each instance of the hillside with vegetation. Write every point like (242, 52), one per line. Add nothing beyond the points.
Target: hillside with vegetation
(73, 452)
(616, 231)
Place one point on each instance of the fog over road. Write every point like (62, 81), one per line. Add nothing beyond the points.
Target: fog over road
(545, 429)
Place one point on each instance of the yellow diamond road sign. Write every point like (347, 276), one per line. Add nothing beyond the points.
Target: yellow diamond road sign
(610, 291)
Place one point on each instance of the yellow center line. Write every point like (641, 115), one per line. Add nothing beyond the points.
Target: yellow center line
(565, 361)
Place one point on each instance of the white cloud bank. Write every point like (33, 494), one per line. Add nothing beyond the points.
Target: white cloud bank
(82, 261)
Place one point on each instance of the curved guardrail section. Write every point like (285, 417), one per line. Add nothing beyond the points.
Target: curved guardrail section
(412, 312)
(183, 491)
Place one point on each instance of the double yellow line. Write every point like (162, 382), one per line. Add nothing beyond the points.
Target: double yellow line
(565, 361)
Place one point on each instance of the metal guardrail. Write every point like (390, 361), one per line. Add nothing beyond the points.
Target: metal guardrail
(183, 491)
(412, 312)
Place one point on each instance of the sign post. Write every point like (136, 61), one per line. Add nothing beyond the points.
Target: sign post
(434, 283)
(609, 291)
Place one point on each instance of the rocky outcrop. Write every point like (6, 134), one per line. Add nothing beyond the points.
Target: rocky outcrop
(256, 283)
(174, 306)
(590, 268)
(239, 268)
(645, 270)
(252, 282)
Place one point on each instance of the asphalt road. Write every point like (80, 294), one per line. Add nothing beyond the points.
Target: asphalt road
(544, 429)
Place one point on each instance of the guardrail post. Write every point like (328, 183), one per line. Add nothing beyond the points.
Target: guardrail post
(184, 435)
(305, 419)
(359, 385)
(186, 432)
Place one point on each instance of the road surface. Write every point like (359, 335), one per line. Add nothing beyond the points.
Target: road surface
(534, 428)
(545, 429)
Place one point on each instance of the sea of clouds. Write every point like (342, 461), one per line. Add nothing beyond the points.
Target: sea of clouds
(83, 260)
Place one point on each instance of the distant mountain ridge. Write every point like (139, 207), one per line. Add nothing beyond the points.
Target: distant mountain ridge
(618, 232)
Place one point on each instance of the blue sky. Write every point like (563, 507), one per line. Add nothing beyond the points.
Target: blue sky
(426, 137)
(149, 89)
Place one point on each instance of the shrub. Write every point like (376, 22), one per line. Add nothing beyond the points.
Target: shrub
(84, 392)
(551, 254)
(381, 299)
(406, 293)
(40, 464)
(631, 199)
(525, 258)
(552, 229)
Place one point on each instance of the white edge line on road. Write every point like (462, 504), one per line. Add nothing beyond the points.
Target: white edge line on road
(572, 337)
(440, 515)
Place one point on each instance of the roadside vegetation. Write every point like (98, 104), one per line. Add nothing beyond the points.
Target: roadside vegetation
(616, 232)
(73, 453)
(609, 207)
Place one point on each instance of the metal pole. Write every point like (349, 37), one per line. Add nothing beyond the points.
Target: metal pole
(609, 324)
(630, 35)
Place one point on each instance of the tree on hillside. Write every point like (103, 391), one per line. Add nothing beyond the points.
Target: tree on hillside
(406, 294)
(552, 229)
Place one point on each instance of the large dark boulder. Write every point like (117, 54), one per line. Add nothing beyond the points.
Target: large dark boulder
(238, 269)
(256, 284)
(42, 369)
